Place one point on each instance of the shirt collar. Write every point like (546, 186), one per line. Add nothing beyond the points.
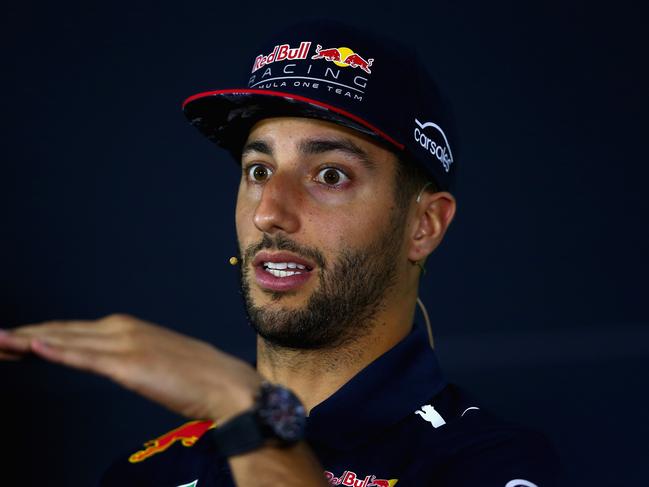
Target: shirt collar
(393, 386)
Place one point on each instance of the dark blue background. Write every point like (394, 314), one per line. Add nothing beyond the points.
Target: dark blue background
(112, 202)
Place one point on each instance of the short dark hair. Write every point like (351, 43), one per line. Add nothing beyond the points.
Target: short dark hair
(410, 179)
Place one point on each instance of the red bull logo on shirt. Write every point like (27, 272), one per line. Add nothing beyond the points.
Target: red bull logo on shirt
(187, 435)
(351, 479)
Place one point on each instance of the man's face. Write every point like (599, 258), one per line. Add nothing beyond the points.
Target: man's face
(318, 230)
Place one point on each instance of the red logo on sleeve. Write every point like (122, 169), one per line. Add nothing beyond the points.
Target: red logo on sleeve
(187, 435)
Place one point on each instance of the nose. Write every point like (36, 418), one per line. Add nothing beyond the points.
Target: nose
(278, 206)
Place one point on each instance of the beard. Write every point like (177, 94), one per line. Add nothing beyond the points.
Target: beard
(343, 307)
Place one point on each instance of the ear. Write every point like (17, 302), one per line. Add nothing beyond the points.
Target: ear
(433, 215)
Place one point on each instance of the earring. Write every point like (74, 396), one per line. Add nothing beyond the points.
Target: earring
(419, 264)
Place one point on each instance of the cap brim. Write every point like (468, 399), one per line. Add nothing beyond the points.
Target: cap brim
(226, 116)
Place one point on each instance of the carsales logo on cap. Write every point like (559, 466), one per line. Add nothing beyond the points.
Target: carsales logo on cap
(431, 137)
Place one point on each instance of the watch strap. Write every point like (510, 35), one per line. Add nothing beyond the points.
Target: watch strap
(239, 435)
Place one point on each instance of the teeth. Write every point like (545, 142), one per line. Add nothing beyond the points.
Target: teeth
(278, 273)
(283, 265)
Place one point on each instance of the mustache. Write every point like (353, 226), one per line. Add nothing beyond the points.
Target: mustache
(281, 242)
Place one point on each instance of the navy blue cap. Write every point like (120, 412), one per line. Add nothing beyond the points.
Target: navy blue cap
(338, 73)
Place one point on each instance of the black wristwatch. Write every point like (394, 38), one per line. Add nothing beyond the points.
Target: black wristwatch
(277, 418)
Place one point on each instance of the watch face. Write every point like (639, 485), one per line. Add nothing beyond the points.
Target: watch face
(283, 412)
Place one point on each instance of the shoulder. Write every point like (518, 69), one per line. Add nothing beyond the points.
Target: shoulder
(480, 448)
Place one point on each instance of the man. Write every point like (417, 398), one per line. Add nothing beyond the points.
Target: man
(346, 166)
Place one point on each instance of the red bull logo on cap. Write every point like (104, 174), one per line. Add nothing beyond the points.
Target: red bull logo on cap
(187, 435)
(350, 478)
(343, 57)
(296, 70)
(282, 52)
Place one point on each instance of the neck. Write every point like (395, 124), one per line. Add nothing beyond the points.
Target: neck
(314, 375)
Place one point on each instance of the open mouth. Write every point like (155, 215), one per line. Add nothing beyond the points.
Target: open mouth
(282, 271)
(286, 269)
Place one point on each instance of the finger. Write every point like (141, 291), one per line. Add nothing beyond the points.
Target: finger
(10, 356)
(91, 335)
(74, 340)
(10, 343)
(99, 363)
(78, 326)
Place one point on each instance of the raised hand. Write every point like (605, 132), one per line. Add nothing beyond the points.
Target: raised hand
(188, 376)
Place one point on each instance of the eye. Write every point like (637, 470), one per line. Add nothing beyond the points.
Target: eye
(258, 173)
(331, 176)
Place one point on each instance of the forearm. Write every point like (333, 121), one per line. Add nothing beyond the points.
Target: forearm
(272, 466)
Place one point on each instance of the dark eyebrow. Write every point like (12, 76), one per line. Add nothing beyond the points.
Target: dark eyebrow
(257, 146)
(316, 146)
(319, 146)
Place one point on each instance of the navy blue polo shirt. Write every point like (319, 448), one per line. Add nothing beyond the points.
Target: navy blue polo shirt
(396, 422)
